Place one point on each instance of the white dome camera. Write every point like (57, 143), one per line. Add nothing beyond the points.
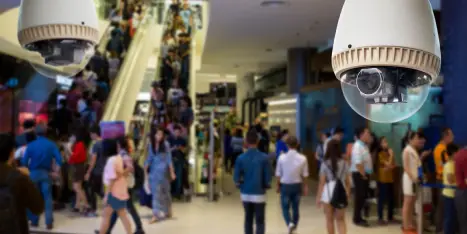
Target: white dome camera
(64, 32)
(386, 54)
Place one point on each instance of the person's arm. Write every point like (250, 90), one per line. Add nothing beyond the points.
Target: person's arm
(449, 170)
(171, 166)
(305, 174)
(348, 184)
(359, 162)
(278, 175)
(31, 196)
(322, 183)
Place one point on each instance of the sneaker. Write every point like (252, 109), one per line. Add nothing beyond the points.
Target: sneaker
(292, 228)
(50, 226)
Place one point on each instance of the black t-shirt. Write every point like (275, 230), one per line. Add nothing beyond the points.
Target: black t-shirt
(178, 142)
(183, 48)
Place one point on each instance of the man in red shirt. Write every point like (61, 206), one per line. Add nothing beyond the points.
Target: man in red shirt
(460, 161)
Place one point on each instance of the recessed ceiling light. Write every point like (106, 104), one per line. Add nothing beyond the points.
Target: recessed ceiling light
(274, 3)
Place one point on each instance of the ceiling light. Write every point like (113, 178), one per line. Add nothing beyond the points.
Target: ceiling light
(274, 3)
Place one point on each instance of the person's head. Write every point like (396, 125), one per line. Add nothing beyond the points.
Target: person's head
(7, 146)
(110, 148)
(383, 143)
(239, 133)
(284, 134)
(252, 138)
(95, 132)
(175, 83)
(333, 150)
(62, 103)
(447, 136)
(41, 130)
(227, 132)
(122, 144)
(451, 150)
(185, 103)
(159, 135)
(364, 135)
(88, 68)
(338, 133)
(29, 125)
(417, 140)
(292, 142)
(177, 130)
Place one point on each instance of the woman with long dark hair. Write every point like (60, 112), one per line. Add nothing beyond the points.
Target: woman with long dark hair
(159, 169)
(333, 168)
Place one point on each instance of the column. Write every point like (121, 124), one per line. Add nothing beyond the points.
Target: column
(245, 89)
(298, 64)
(454, 57)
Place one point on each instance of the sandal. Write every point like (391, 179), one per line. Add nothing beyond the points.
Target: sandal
(153, 220)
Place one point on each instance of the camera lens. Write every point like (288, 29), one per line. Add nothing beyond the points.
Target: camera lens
(369, 80)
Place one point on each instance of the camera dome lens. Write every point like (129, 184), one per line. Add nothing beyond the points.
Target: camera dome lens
(69, 56)
(369, 81)
(386, 113)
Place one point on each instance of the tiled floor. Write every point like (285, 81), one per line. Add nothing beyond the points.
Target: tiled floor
(223, 217)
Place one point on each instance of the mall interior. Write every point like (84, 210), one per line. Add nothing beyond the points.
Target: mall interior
(233, 65)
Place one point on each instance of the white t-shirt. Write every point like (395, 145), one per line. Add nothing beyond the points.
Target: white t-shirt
(292, 167)
(413, 160)
(361, 155)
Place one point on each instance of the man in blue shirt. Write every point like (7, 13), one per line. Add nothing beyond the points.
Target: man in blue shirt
(253, 174)
(39, 157)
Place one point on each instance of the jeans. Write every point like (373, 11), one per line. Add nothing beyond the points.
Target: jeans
(290, 197)
(130, 206)
(254, 211)
(386, 197)
(43, 182)
(450, 216)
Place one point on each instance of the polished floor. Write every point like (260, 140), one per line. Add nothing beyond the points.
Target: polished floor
(224, 217)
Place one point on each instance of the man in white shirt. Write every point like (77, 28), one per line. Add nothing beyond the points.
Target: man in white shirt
(361, 167)
(292, 171)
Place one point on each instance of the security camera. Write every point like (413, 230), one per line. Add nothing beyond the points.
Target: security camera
(386, 50)
(63, 32)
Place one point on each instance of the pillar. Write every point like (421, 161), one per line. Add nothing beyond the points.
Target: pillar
(245, 89)
(454, 57)
(298, 64)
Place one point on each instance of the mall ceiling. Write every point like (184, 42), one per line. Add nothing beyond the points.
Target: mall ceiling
(246, 36)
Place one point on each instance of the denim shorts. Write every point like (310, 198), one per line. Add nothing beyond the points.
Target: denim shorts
(116, 203)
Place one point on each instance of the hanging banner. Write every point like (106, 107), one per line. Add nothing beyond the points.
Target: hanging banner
(112, 129)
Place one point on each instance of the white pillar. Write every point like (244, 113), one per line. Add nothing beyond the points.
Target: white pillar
(245, 89)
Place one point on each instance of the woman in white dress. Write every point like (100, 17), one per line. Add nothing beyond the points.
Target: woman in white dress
(333, 168)
(412, 161)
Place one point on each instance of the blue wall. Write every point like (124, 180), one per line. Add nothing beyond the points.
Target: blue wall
(323, 110)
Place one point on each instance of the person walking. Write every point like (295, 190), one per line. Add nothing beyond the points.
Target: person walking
(157, 166)
(292, 172)
(39, 158)
(253, 175)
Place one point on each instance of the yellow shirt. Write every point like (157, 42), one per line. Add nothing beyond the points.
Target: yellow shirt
(385, 175)
(440, 157)
(448, 169)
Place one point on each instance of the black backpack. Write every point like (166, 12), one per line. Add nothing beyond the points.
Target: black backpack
(339, 199)
(8, 216)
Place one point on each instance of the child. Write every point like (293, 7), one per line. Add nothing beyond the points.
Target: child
(385, 180)
(449, 180)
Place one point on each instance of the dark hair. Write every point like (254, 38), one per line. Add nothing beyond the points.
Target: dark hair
(451, 149)
(30, 136)
(338, 130)
(63, 102)
(252, 137)
(333, 154)
(327, 134)
(359, 132)
(227, 132)
(123, 143)
(283, 133)
(160, 145)
(109, 148)
(292, 142)
(239, 133)
(29, 123)
(418, 134)
(7, 145)
(95, 129)
(445, 132)
(177, 127)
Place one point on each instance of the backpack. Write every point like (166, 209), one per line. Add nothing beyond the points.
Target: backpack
(8, 217)
(338, 199)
